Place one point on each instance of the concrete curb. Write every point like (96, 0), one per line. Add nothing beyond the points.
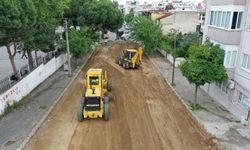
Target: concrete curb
(39, 124)
(180, 98)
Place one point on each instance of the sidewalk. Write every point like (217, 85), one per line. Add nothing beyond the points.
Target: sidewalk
(16, 126)
(215, 118)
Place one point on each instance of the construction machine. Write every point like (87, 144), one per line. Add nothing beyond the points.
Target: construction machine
(94, 102)
(131, 58)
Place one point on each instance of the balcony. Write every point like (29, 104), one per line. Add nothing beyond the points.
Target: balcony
(227, 37)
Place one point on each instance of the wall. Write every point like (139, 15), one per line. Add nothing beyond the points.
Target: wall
(227, 100)
(228, 2)
(169, 57)
(31, 81)
(5, 65)
(228, 37)
(217, 94)
(184, 21)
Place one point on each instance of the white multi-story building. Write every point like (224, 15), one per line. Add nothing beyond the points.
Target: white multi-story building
(228, 24)
(159, 5)
(131, 5)
(180, 5)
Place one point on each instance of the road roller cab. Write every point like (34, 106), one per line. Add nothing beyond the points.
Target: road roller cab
(94, 102)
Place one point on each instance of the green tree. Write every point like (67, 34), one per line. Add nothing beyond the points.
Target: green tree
(147, 32)
(189, 39)
(204, 65)
(80, 41)
(171, 43)
(17, 16)
(129, 17)
(41, 35)
(102, 15)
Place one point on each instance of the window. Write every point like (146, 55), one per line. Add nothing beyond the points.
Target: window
(224, 16)
(246, 62)
(222, 19)
(239, 20)
(215, 18)
(129, 55)
(241, 97)
(212, 17)
(233, 58)
(223, 86)
(94, 80)
(230, 58)
(243, 100)
(236, 22)
(233, 26)
(228, 19)
(219, 19)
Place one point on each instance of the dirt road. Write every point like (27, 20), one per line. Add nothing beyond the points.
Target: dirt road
(146, 115)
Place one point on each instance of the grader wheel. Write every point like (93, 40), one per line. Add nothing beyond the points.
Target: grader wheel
(109, 85)
(106, 108)
(80, 110)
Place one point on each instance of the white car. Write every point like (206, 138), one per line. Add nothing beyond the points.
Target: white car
(126, 35)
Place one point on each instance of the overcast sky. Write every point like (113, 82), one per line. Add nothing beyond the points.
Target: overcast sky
(152, 1)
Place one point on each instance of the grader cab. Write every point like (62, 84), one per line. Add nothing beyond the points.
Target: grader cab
(95, 103)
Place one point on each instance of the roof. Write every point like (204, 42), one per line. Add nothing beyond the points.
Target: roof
(131, 50)
(163, 16)
(95, 70)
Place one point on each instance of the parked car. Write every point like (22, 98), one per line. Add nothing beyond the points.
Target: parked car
(126, 35)
(119, 34)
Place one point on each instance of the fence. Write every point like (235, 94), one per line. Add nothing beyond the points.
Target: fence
(169, 57)
(20, 87)
(12, 79)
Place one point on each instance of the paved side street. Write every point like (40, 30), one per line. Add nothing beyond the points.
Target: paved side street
(215, 118)
(17, 125)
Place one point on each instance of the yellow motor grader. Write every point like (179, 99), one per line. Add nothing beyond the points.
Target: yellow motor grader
(131, 58)
(94, 102)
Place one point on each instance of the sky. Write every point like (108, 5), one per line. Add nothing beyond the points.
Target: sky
(152, 1)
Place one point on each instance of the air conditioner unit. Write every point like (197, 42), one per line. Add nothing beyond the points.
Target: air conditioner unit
(231, 84)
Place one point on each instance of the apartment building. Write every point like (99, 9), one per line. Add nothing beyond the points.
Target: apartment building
(180, 5)
(131, 5)
(228, 24)
(184, 21)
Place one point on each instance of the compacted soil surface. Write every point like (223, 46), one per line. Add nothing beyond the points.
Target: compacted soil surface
(145, 115)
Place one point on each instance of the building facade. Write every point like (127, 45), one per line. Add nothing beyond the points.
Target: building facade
(180, 5)
(130, 5)
(183, 21)
(228, 24)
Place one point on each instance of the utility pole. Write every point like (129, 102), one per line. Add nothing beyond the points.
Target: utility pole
(68, 52)
(173, 69)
